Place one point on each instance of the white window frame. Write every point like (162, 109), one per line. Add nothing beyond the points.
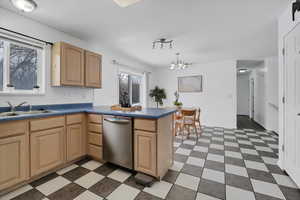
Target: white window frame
(130, 86)
(40, 47)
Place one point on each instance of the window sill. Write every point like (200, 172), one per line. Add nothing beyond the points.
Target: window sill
(22, 93)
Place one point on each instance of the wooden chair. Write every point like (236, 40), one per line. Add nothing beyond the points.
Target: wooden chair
(189, 121)
(198, 119)
(178, 122)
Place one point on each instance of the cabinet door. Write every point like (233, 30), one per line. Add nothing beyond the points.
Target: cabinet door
(72, 65)
(93, 69)
(74, 141)
(13, 161)
(145, 152)
(47, 150)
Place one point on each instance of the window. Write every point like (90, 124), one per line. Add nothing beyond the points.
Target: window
(129, 89)
(21, 67)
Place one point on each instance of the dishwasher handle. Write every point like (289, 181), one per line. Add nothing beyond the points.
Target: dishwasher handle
(117, 120)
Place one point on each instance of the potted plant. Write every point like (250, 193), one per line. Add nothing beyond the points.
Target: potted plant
(158, 94)
(177, 103)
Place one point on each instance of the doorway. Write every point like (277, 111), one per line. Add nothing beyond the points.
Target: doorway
(292, 104)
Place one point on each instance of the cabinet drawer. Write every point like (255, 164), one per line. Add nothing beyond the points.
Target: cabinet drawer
(94, 138)
(145, 124)
(95, 151)
(95, 128)
(94, 118)
(74, 119)
(47, 123)
(13, 128)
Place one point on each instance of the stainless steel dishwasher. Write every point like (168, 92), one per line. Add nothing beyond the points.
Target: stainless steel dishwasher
(118, 141)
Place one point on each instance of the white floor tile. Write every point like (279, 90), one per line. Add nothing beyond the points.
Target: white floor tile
(53, 185)
(217, 146)
(67, 169)
(195, 161)
(200, 149)
(273, 146)
(244, 142)
(217, 139)
(201, 196)
(271, 161)
(188, 181)
(215, 157)
(284, 180)
(249, 151)
(87, 195)
(89, 180)
(159, 189)
(182, 151)
(236, 170)
(91, 165)
(177, 166)
(269, 189)
(190, 142)
(214, 175)
(231, 137)
(204, 140)
(16, 193)
(124, 192)
(176, 144)
(233, 193)
(268, 139)
(256, 165)
(233, 154)
(267, 149)
(231, 144)
(256, 140)
(119, 175)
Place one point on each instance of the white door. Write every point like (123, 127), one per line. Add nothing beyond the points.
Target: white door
(292, 106)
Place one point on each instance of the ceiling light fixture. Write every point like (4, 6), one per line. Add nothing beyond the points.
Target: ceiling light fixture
(125, 3)
(179, 64)
(242, 71)
(162, 42)
(24, 5)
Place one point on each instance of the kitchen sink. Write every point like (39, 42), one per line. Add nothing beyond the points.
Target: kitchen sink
(17, 113)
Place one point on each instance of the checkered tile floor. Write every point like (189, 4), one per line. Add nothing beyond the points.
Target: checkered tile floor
(222, 164)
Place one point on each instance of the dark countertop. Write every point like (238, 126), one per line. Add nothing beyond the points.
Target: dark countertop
(149, 113)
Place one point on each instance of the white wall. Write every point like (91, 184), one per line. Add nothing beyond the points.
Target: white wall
(218, 99)
(109, 93)
(258, 75)
(272, 85)
(53, 95)
(243, 94)
(285, 25)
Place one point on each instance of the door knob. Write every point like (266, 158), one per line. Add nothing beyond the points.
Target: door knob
(298, 114)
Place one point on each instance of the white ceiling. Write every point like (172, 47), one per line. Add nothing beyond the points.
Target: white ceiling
(203, 30)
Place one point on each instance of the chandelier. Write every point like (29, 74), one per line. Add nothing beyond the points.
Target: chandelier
(162, 42)
(179, 64)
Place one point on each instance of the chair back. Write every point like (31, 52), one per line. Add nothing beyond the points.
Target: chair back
(198, 114)
(188, 113)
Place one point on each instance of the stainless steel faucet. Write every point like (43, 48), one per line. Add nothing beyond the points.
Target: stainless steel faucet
(13, 107)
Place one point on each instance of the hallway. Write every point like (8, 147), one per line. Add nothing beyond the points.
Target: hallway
(244, 122)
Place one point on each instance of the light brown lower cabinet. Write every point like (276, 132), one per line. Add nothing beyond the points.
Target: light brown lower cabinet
(75, 141)
(145, 152)
(47, 150)
(13, 160)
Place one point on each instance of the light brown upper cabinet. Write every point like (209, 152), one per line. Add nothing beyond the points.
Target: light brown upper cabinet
(93, 69)
(73, 66)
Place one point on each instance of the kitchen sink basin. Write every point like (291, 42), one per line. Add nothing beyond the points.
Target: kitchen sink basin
(17, 113)
(8, 114)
